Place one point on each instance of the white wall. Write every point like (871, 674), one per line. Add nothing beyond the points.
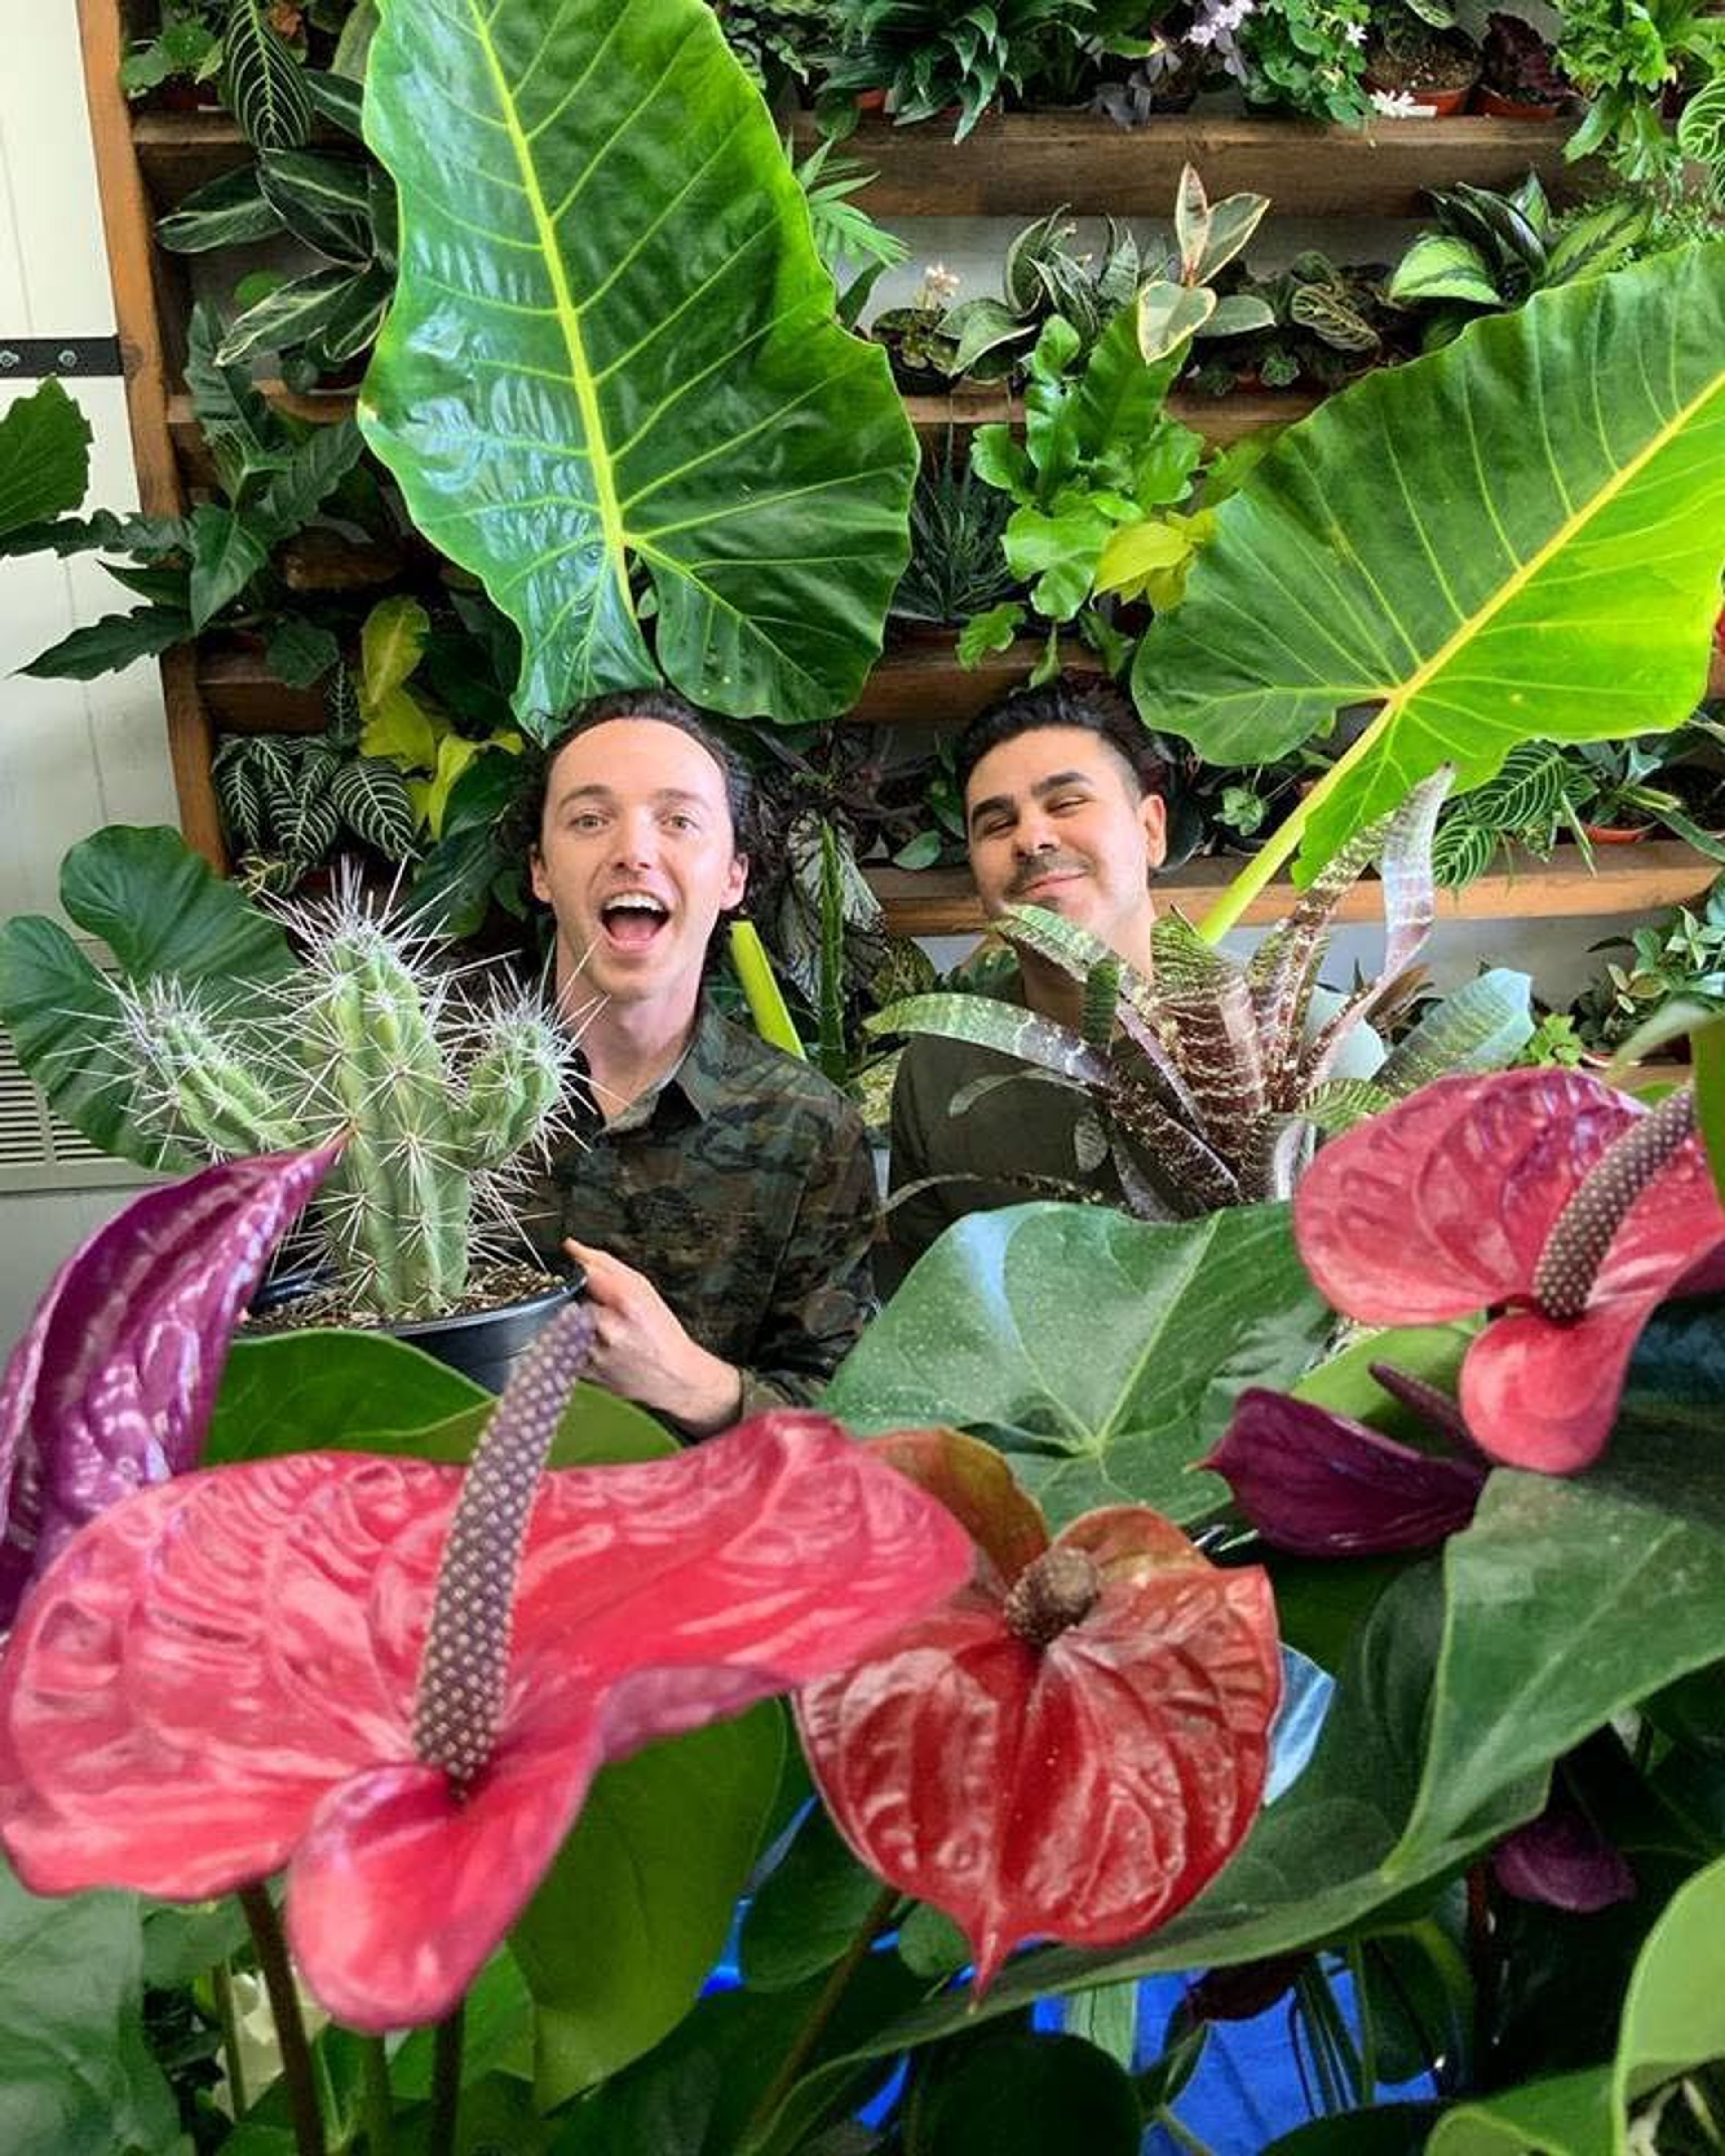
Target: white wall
(73, 755)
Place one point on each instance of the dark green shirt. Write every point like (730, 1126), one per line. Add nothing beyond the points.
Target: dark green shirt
(1016, 1140)
(743, 1187)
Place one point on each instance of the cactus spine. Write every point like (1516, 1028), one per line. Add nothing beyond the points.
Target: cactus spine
(437, 1093)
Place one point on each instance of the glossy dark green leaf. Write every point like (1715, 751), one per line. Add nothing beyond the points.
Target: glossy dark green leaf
(116, 640)
(1673, 2014)
(808, 1911)
(76, 2076)
(227, 552)
(1568, 2115)
(265, 89)
(319, 1390)
(1103, 1354)
(1387, 2129)
(612, 342)
(44, 457)
(300, 653)
(228, 211)
(161, 910)
(1023, 2094)
(634, 1911)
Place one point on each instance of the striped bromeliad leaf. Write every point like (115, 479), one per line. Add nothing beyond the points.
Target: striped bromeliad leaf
(612, 355)
(1519, 537)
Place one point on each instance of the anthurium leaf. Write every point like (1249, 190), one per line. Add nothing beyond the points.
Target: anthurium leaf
(808, 1911)
(161, 909)
(1386, 2129)
(1568, 2115)
(1569, 1599)
(78, 2073)
(638, 360)
(1476, 607)
(1022, 2093)
(44, 457)
(1674, 2013)
(1104, 1354)
(634, 1910)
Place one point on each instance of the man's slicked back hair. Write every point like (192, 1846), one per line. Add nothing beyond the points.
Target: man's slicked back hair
(1088, 701)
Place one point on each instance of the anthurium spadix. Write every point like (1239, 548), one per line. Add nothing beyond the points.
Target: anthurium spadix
(613, 363)
(1519, 537)
(1076, 1743)
(397, 1680)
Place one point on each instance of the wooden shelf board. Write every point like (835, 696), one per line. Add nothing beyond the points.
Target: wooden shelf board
(1022, 164)
(1626, 880)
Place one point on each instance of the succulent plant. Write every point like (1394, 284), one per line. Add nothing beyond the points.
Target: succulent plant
(437, 1089)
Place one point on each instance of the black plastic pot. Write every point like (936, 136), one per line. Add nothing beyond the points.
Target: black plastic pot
(484, 1345)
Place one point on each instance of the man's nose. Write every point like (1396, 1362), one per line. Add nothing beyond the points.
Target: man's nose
(1034, 835)
(637, 839)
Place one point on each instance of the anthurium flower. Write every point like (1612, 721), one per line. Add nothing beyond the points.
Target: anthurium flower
(398, 1680)
(1076, 1743)
(1543, 1193)
(111, 1388)
(1318, 1484)
(1562, 1859)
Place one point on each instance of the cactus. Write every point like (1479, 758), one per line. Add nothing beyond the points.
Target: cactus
(438, 1091)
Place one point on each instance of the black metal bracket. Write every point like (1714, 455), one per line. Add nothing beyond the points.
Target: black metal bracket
(24, 359)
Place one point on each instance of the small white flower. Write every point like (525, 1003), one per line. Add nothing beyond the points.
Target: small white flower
(1355, 33)
(1400, 104)
(1201, 34)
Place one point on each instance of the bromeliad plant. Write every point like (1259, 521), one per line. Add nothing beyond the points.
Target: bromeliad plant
(216, 1041)
(1209, 1079)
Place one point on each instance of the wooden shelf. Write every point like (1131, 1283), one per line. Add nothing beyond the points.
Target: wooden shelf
(1022, 163)
(1626, 880)
(1219, 419)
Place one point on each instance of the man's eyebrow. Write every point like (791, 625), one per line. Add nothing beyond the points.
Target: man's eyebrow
(595, 791)
(995, 801)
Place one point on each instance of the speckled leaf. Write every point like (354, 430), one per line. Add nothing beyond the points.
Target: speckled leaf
(1104, 1354)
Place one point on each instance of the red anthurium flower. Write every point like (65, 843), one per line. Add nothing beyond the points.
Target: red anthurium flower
(1318, 1484)
(1542, 1190)
(1076, 1743)
(327, 1661)
(1562, 1859)
(111, 1388)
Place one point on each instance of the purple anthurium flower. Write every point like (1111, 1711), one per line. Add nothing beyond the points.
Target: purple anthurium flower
(1318, 1484)
(111, 1388)
(1562, 1859)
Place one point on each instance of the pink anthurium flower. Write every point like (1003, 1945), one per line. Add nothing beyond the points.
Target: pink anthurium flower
(111, 1388)
(398, 1680)
(1544, 1193)
(1076, 1743)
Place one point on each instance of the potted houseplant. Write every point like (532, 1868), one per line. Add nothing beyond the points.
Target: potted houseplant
(957, 567)
(217, 1039)
(1414, 53)
(1519, 75)
(1679, 959)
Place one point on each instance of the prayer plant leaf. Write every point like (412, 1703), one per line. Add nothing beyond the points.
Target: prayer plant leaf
(1517, 535)
(613, 347)
(1102, 1353)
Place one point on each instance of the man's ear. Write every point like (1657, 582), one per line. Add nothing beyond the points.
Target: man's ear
(537, 877)
(1153, 812)
(736, 883)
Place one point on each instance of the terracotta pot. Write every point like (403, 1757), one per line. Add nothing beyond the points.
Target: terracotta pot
(1509, 108)
(1618, 834)
(872, 100)
(1445, 104)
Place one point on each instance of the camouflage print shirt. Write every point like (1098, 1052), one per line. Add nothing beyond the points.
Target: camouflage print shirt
(742, 1187)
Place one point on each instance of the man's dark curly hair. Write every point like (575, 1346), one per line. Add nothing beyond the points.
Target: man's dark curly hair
(522, 820)
(1090, 701)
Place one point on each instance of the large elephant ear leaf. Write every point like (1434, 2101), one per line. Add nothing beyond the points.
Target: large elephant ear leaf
(1518, 537)
(612, 352)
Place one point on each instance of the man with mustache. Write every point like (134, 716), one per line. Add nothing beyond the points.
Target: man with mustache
(1059, 812)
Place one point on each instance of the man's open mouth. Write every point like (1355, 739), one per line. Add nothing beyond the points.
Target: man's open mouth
(633, 919)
